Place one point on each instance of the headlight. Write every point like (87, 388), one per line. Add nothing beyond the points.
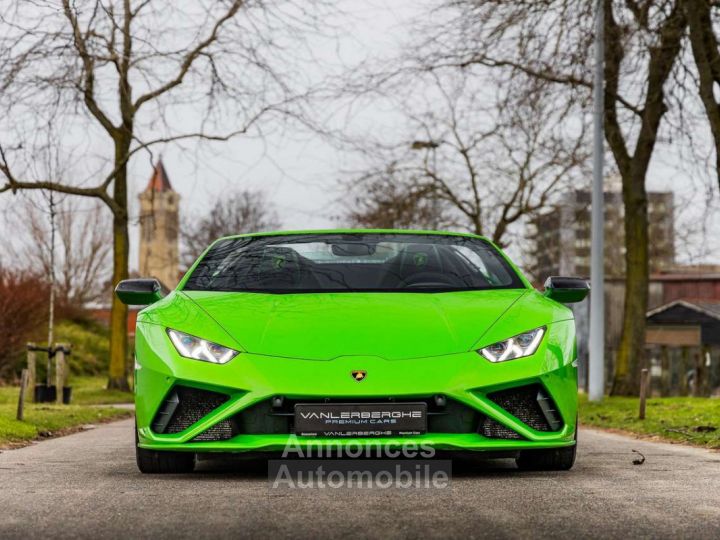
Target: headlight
(515, 347)
(200, 349)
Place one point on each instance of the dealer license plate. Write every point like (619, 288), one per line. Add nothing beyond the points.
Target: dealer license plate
(360, 419)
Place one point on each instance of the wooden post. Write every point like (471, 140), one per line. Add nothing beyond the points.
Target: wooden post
(21, 399)
(31, 367)
(703, 371)
(698, 367)
(665, 375)
(644, 390)
(684, 364)
(59, 373)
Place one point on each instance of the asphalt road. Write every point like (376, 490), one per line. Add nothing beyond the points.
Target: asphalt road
(86, 485)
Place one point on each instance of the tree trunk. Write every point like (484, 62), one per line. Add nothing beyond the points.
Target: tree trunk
(633, 169)
(121, 251)
(119, 312)
(631, 353)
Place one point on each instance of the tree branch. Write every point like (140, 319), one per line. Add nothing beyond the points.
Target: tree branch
(545, 74)
(191, 56)
(705, 49)
(88, 89)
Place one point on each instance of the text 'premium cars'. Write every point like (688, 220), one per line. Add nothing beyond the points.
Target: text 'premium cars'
(340, 337)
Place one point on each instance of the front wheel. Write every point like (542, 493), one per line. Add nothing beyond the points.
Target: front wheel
(552, 459)
(154, 462)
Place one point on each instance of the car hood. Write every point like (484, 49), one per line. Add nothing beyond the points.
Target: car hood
(323, 326)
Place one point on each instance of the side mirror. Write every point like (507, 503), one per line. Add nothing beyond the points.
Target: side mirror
(140, 292)
(566, 290)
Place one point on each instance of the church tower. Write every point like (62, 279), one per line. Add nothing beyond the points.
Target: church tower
(159, 229)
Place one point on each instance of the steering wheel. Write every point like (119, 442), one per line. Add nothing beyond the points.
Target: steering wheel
(426, 279)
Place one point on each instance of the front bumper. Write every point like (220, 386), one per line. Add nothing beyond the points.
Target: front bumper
(250, 379)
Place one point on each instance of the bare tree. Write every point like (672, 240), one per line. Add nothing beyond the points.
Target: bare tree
(118, 77)
(473, 162)
(83, 249)
(235, 213)
(389, 200)
(549, 43)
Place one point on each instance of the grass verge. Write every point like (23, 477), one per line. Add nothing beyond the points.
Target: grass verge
(49, 420)
(91, 391)
(686, 420)
(43, 420)
(86, 391)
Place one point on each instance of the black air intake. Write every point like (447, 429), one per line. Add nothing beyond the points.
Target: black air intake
(495, 430)
(185, 406)
(531, 405)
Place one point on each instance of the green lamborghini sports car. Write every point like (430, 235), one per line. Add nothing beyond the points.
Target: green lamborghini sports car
(352, 337)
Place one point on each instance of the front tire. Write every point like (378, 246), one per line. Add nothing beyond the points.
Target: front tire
(155, 462)
(554, 459)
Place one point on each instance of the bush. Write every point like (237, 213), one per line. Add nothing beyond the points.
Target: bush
(90, 343)
(23, 311)
(24, 307)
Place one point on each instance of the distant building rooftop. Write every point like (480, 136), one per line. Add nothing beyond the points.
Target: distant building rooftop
(711, 308)
(688, 272)
(159, 180)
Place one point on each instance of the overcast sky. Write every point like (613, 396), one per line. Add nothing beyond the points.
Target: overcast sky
(299, 172)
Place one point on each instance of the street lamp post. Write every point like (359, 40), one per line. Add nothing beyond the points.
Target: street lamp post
(596, 372)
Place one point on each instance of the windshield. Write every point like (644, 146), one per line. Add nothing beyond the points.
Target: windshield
(352, 262)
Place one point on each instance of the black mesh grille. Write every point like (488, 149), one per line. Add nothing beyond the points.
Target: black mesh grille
(495, 430)
(221, 431)
(524, 403)
(188, 406)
